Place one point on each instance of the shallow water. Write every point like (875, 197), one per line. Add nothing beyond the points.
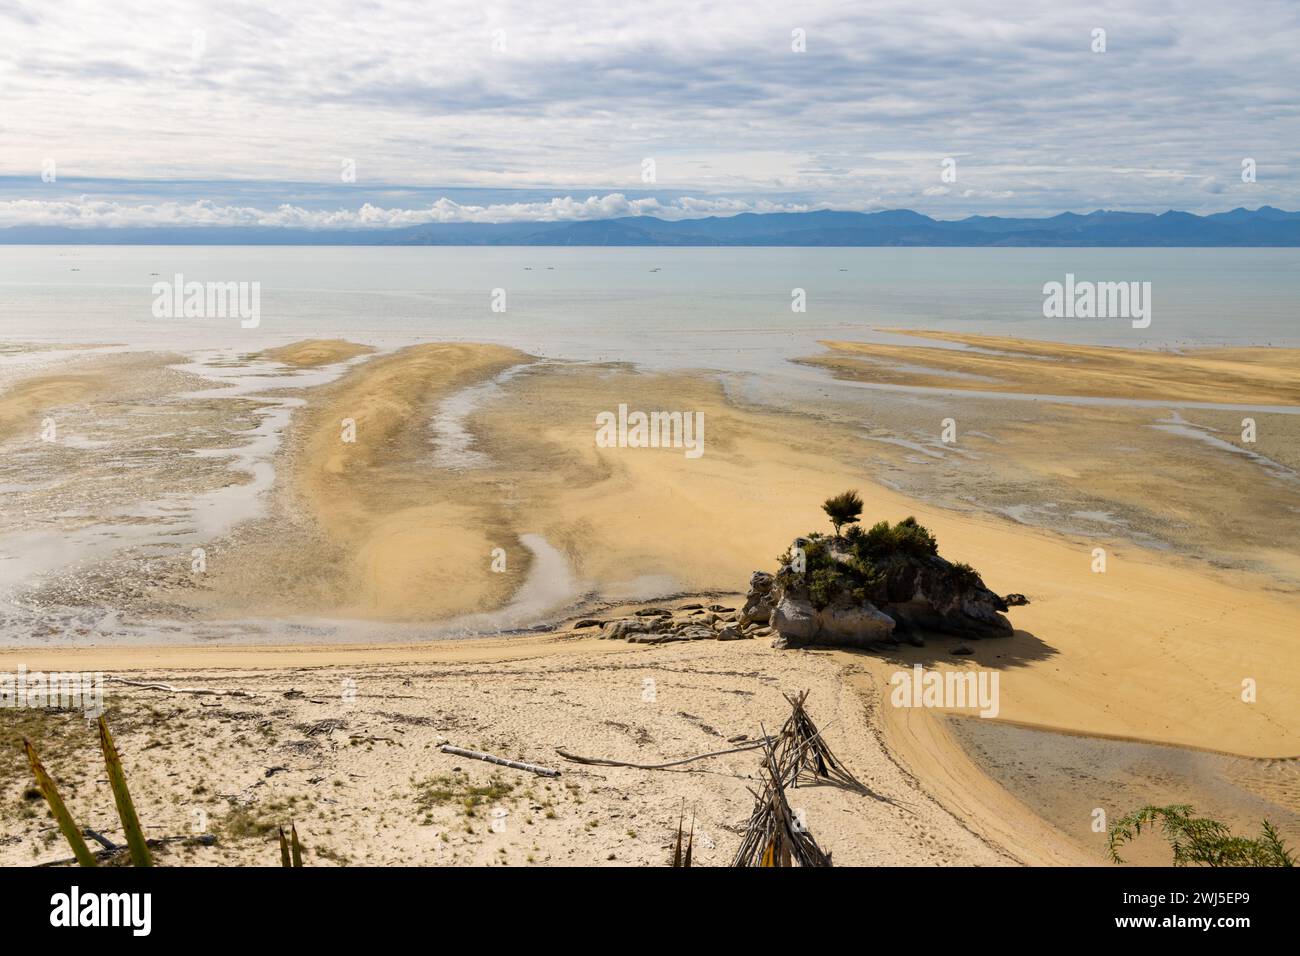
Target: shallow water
(723, 309)
(713, 308)
(1065, 778)
(159, 527)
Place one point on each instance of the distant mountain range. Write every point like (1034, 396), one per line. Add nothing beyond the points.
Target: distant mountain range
(1265, 226)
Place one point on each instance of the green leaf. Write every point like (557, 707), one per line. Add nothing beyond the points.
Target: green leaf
(135, 840)
(71, 832)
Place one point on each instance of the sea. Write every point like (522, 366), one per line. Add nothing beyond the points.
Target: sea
(745, 309)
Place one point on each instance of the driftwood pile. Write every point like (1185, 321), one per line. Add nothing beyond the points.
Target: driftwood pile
(775, 835)
(805, 752)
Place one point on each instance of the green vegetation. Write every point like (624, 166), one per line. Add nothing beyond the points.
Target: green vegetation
(135, 840)
(861, 563)
(964, 575)
(449, 788)
(884, 541)
(1201, 840)
(844, 508)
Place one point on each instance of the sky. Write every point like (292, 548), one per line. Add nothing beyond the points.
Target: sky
(354, 113)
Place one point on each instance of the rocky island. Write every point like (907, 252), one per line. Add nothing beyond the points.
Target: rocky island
(866, 588)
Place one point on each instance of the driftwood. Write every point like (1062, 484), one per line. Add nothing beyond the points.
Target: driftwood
(775, 835)
(804, 752)
(204, 691)
(502, 761)
(600, 762)
(99, 838)
(205, 839)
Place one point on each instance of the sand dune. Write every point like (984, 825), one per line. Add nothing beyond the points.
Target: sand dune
(351, 771)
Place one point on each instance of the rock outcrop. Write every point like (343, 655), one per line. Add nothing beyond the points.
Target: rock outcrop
(871, 589)
(690, 622)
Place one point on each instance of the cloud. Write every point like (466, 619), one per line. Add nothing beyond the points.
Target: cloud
(102, 213)
(573, 97)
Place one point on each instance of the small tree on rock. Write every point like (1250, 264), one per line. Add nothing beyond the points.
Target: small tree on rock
(844, 508)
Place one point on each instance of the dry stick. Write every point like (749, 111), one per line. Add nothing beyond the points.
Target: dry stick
(99, 838)
(752, 745)
(204, 839)
(180, 690)
(515, 764)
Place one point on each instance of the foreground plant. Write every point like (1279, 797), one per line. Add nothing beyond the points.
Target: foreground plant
(680, 860)
(1201, 840)
(290, 850)
(69, 829)
(135, 839)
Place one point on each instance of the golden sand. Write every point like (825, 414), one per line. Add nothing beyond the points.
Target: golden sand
(368, 529)
(1241, 375)
(1156, 648)
(314, 352)
(26, 404)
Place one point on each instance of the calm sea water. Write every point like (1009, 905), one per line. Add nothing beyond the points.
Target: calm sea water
(720, 308)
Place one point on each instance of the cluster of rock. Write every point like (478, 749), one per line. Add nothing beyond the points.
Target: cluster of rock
(925, 593)
(690, 622)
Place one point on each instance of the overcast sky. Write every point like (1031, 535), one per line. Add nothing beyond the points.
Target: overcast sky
(245, 113)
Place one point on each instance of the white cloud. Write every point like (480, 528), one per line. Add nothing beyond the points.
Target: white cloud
(87, 213)
(415, 93)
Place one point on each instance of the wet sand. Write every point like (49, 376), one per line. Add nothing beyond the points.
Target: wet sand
(1246, 376)
(383, 531)
(1149, 467)
(1065, 779)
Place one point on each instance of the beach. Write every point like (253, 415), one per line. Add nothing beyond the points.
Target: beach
(424, 524)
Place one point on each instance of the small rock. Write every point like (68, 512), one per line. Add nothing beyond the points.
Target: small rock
(668, 638)
(626, 628)
(962, 649)
(795, 620)
(587, 622)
